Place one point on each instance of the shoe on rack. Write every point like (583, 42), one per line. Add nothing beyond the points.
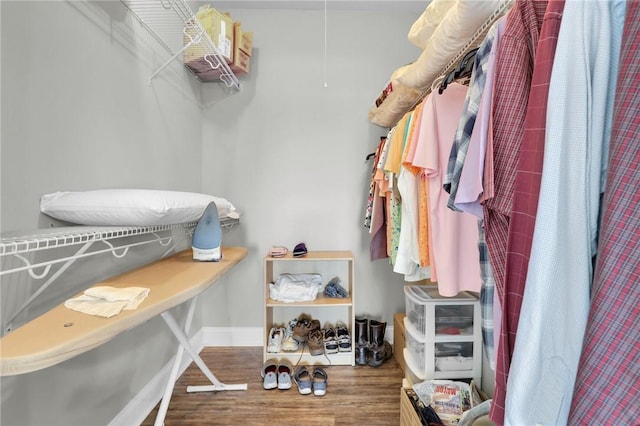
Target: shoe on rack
(276, 335)
(343, 337)
(303, 380)
(269, 368)
(319, 381)
(315, 342)
(330, 340)
(302, 328)
(285, 370)
(289, 344)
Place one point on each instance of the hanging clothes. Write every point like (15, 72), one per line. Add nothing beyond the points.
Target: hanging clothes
(511, 92)
(556, 296)
(606, 387)
(454, 235)
(393, 166)
(470, 188)
(525, 198)
(408, 259)
(468, 117)
(378, 222)
(421, 256)
(487, 299)
(514, 67)
(368, 216)
(408, 240)
(466, 160)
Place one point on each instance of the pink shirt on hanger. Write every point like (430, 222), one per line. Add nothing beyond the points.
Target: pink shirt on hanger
(454, 234)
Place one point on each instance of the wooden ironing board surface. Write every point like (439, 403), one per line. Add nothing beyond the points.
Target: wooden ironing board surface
(61, 333)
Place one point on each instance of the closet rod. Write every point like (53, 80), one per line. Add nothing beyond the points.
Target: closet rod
(474, 42)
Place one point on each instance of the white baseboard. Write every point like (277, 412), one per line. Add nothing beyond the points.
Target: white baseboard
(143, 403)
(232, 336)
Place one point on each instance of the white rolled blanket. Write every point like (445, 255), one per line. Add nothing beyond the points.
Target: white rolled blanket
(295, 287)
(106, 301)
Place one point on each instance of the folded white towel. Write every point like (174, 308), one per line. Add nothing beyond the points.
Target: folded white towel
(107, 301)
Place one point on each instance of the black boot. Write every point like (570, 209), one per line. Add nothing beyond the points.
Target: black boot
(377, 351)
(361, 340)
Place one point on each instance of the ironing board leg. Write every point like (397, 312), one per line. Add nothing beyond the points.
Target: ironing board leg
(173, 376)
(185, 346)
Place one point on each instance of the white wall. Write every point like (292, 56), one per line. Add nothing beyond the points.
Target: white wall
(295, 150)
(77, 113)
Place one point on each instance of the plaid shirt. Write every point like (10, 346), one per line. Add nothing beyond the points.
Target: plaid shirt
(514, 62)
(486, 297)
(525, 199)
(468, 118)
(606, 388)
(555, 306)
(514, 68)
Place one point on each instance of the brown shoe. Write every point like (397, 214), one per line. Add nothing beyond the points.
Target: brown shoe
(302, 328)
(315, 342)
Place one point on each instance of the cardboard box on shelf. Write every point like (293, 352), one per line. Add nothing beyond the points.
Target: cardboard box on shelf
(242, 40)
(241, 63)
(219, 28)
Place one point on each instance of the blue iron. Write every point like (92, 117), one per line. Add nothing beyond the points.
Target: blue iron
(207, 237)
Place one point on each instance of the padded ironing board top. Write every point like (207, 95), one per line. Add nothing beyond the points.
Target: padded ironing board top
(61, 333)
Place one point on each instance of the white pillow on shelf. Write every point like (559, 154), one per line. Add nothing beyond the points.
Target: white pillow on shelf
(460, 23)
(423, 28)
(131, 207)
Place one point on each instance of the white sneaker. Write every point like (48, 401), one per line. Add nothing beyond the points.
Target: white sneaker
(288, 343)
(275, 339)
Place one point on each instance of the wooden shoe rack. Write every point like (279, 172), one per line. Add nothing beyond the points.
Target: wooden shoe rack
(328, 264)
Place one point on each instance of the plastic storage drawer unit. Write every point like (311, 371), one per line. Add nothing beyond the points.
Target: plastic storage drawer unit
(415, 346)
(443, 334)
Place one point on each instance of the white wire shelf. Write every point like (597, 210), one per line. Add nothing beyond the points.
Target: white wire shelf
(50, 238)
(18, 244)
(81, 240)
(174, 25)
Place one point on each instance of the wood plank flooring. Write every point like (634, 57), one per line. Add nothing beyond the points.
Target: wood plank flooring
(359, 395)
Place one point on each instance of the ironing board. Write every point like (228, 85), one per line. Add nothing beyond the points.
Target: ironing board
(61, 333)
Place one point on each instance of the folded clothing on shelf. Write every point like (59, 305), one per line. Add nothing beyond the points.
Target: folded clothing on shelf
(334, 289)
(300, 250)
(278, 251)
(295, 287)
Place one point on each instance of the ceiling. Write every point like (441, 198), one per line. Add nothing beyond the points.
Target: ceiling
(416, 6)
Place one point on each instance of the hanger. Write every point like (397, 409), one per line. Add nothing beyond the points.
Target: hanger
(464, 69)
(466, 65)
(373, 154)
